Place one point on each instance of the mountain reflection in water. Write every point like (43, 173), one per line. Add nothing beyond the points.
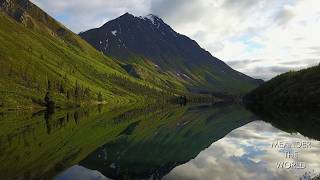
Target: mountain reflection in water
(190, 142)
(156, 146)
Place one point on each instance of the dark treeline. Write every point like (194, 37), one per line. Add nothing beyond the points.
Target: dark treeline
(194, 98)
(208, 97)
(49, 89)
(291, 89)
(75, 94)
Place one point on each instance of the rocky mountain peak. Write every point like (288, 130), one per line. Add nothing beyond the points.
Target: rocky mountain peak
(149, 37)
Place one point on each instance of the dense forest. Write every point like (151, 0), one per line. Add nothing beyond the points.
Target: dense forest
(291, 89)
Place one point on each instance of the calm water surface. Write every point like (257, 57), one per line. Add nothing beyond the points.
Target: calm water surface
(247, 153)
(190, 142)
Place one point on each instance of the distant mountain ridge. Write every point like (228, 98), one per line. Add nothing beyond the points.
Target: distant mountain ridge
(180, 57)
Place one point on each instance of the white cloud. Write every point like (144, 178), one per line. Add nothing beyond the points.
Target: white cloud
(275, 32)
(80, 15)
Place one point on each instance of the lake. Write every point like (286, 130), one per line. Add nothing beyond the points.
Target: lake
(160, 142)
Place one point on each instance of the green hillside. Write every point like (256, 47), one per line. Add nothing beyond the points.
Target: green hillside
(200, 78)
(38, 55)
(291, 89)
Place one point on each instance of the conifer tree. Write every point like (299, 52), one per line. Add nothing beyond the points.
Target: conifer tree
(48, 99)
(100, 97)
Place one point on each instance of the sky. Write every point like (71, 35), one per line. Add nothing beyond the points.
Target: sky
(261, 38)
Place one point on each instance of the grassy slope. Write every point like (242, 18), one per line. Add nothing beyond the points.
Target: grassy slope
(223, 80)
(30, 55)
(197, 78)
(290, 89)
(149, 72)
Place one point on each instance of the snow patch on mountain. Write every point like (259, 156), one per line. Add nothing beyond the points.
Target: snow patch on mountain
(186, 76)
(150, 17)
(114, 32)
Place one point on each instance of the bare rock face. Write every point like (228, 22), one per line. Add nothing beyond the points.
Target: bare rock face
(17, 9)
(5, 5)
(11, 3)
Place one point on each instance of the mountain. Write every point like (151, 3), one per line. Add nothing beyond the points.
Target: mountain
(150, 43)
(40, 58)
(289, 90)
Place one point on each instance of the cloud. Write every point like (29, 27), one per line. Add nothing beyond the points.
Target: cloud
(269, 72)
(178, 12)
(80, 15)
(243, 63)
(275, 32)
(285, 15)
